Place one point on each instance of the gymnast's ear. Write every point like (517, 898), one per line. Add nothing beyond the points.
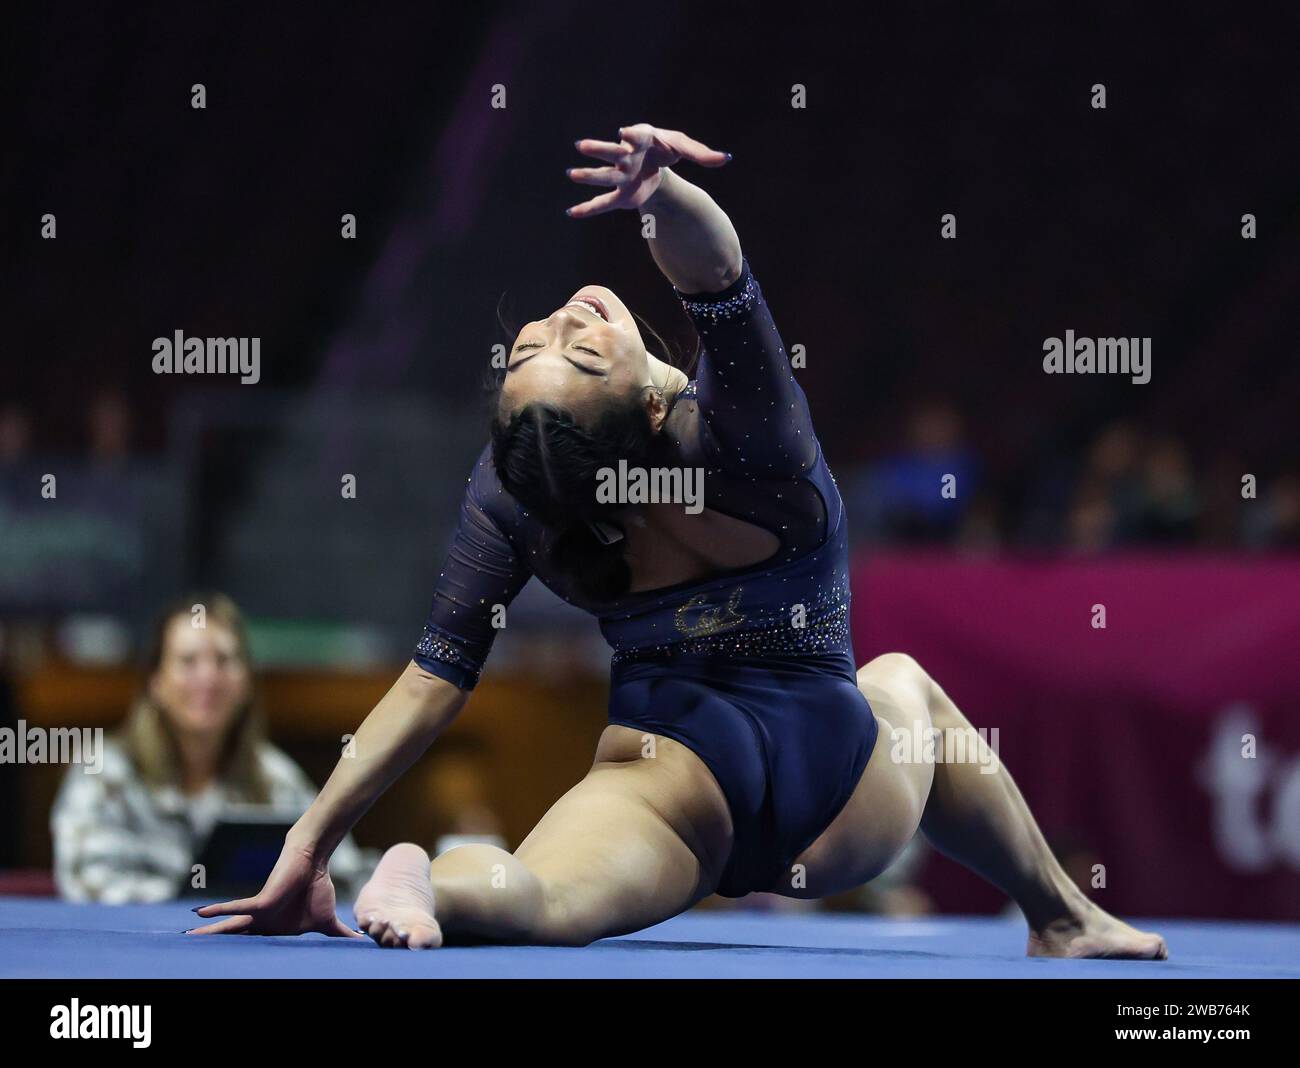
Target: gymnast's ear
(655, 405)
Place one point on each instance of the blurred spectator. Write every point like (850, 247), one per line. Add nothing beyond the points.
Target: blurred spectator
(1274, 520)
(1169, 507)
(192, 744)
(982, 528)
(15, 435)
(1108, 493)
(1133, 490)
(1093, 520)
(902, 497)
(1221, 516)
(108, 428)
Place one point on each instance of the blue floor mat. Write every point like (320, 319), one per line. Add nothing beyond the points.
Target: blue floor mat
(53, 939)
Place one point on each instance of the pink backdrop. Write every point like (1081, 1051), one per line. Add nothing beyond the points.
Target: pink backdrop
(1128, 737)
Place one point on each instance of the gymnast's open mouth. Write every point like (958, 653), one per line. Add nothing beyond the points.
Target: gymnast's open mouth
(592, 304)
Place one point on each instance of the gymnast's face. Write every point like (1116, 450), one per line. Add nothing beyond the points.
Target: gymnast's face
(203, 679)
(581, 356)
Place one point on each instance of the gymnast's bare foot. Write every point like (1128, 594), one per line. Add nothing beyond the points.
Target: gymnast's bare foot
(1091, 932)
(396, 906)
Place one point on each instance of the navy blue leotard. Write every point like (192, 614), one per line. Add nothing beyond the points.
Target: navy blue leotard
(752, 669)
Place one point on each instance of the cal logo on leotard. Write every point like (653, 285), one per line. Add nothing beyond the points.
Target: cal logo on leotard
(710, 620)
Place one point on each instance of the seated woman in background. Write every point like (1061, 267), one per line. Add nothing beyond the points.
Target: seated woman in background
(192, 744)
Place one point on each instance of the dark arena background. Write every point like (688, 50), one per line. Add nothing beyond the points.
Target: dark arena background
(1101, 566)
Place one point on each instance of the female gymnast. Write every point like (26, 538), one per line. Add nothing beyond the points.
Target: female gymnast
(744, 752)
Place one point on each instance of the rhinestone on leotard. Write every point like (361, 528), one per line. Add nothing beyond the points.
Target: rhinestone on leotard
(433, 646)
(716, 311)
(825, 630)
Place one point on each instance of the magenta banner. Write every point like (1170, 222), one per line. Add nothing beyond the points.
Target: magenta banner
(1147, 706)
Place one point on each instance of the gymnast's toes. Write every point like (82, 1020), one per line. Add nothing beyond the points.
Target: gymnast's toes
(1098, 934)
(395, 907)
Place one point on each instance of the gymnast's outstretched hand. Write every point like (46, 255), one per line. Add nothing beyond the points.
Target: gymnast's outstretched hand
(298, 897)
(636, 165)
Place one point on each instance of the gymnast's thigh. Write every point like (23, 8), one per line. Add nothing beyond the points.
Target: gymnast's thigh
(637, 841)
(884, 811)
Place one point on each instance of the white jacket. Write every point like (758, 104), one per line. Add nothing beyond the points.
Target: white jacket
(116, 840)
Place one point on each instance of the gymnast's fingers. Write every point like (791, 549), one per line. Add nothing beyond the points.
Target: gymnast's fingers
(229, 908)
(691, 149)
(638, 135)
(596, 175)
(339, 929)
(610, 151)
(231, 925)
(595, 206)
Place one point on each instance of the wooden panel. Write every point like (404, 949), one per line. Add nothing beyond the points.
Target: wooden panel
(534, 738)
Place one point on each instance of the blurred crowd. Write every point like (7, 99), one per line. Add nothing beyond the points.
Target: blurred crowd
(105, 433)
(1129, 486)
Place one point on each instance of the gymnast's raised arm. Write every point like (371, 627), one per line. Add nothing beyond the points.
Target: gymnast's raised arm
(745, 379)
(694, 243)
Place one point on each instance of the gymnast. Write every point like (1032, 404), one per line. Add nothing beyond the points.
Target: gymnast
(744, 752)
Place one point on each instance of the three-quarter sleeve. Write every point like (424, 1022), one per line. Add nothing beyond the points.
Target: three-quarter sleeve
(755, 413)
(482, 570)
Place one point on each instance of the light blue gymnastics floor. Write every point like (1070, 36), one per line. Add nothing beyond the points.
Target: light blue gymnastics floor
(43, 938)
